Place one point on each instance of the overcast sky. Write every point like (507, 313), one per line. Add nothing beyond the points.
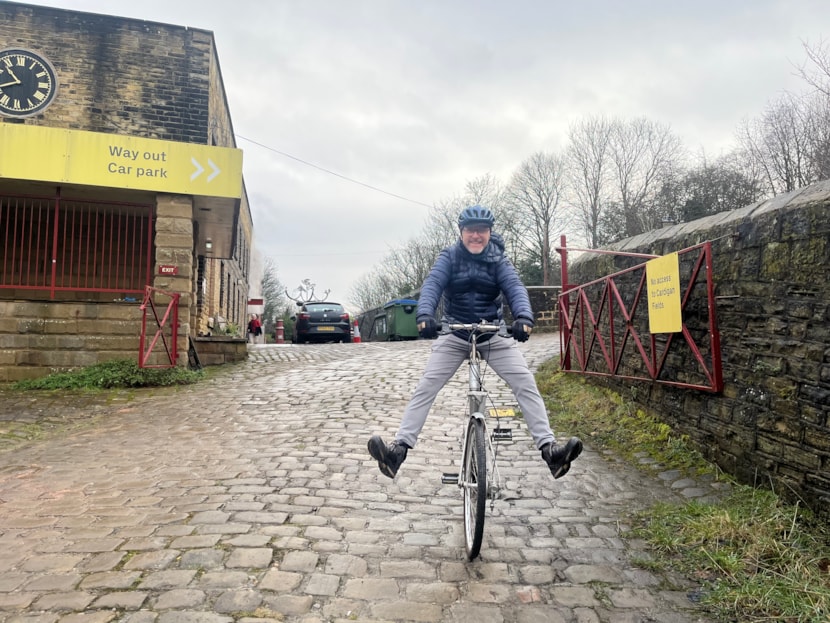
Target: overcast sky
(415, 98)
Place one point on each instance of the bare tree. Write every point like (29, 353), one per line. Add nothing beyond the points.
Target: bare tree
(535, 191)
(818, 136)
(643, 154)
(789, 144)
(272, 293)
(588, 157)
(484, 191)
(778, 144)
(816, 70)
(373, 290)
(708, 189)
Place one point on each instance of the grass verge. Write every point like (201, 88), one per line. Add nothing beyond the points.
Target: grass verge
(755, 557)
(118, 373)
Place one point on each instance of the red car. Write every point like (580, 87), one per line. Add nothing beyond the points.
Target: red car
(321, 322)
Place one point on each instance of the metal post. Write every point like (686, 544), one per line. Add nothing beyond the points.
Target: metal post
(564, 307)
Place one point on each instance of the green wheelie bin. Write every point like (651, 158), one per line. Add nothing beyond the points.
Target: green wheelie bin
(400, 319)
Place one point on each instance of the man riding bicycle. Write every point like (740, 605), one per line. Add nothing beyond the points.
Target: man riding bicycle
(472, 276)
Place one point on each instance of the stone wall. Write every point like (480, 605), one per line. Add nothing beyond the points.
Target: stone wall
(39, 337)
(544, 302)
(216, 351)
(174, 246)
(105, 81)
(771, 265)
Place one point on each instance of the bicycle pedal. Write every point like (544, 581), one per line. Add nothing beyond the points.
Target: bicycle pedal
(449, 479)
(502, 434)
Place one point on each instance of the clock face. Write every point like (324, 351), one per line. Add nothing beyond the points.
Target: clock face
(28, 83)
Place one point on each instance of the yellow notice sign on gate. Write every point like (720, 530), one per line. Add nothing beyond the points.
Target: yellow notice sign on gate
(663, 277)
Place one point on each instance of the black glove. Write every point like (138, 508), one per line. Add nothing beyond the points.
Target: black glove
(520, 332)
(430, 328)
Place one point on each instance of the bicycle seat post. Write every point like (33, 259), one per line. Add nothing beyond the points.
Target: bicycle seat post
(477, 394)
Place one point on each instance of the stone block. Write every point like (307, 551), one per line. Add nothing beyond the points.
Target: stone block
(179, 206)
(174, 241)
(174, 225)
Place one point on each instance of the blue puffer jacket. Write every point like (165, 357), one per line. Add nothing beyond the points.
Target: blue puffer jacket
(473, 285)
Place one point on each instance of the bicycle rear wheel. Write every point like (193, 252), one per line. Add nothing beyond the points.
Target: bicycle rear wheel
(474, 484)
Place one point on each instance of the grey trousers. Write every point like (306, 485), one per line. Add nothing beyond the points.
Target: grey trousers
(503, 355)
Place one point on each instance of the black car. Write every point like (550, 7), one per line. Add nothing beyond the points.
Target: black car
(321, 322)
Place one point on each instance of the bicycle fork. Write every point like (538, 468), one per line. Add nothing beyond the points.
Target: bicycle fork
(476, 406)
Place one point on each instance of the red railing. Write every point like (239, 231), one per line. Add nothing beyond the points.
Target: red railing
(604, 325)
(55, 244)
(165, 329)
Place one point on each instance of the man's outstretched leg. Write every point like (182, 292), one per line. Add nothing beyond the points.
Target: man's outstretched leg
(559, 457)
(509, 363)
(389, 456)
(447, 355)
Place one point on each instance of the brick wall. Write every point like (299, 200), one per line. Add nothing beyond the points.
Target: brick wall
(771, 264)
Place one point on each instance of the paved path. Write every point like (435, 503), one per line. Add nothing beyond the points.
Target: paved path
(252, 497)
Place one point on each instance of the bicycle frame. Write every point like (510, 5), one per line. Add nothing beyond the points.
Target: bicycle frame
(477, 397)
(479, 478)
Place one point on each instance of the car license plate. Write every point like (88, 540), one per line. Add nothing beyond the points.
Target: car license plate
(325, 328)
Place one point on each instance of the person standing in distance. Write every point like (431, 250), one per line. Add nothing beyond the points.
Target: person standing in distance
(474, 276)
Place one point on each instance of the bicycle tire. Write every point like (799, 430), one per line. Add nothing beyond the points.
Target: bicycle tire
(474, 484)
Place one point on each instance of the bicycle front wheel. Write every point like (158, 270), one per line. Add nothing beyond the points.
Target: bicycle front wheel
(474, 484)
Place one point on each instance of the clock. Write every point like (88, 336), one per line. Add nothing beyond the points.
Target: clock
(28, 83)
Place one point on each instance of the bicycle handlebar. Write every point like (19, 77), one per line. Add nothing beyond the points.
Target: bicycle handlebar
(476, 328)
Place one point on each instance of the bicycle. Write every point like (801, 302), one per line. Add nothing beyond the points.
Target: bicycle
(478, 449)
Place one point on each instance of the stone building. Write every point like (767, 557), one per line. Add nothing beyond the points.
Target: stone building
(119, 172)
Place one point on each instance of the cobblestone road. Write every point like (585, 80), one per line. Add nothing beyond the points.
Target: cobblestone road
(253, 498)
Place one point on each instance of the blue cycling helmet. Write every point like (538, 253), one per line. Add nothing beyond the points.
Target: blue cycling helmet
(476, 215)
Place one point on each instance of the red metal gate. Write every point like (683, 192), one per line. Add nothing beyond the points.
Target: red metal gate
(164, 330)
(604, 325)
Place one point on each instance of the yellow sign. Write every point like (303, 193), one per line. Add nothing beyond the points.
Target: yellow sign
(502, 413)
(663, 277)
(44, 154)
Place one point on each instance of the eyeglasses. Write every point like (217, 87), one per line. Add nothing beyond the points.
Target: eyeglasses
(475, 229)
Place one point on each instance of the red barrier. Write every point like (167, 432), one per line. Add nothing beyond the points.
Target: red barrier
(604, 325)
(163, 329)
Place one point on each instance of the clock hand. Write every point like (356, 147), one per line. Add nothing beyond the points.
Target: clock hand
(16, 79)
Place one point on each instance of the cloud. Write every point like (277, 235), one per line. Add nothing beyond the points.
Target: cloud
(417, 98)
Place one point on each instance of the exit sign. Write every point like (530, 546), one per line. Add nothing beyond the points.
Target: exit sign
(166, 269)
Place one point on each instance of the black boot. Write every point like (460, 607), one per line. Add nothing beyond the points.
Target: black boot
(559, 457)
(389, 457)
